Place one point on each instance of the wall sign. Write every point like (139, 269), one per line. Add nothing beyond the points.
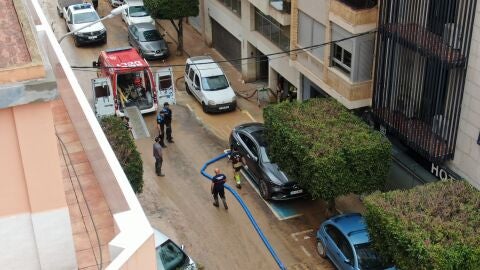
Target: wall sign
(443, 173)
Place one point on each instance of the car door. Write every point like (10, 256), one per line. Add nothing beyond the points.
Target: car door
(339, 249)
(68, 19)
(197, 89)
(165, 86)
(250, 153)
(103, 104)
(125, 16)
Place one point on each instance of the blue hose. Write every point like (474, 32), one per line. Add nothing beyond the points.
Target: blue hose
(245, 208)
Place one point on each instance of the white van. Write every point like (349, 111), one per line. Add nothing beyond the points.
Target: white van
(136, 13)
(205, 80)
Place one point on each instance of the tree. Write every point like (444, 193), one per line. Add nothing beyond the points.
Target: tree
(434, 226)
(327, 149)
(125, 150)
(173, 10)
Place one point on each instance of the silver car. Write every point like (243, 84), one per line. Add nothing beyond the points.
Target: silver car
(148, 41)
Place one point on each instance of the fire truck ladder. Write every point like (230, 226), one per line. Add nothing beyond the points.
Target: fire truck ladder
(139, 128)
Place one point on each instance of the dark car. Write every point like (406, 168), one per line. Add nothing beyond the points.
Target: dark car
(148, 41)
(345, 241)
(272, 182)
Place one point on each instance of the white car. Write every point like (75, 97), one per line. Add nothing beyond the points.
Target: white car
(136, 13)
(169, 255)
(116, 3)
(207, 82)
(80, 15)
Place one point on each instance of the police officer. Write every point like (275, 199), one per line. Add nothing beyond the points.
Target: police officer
(161, 127)
(168, 121)
(218, 188)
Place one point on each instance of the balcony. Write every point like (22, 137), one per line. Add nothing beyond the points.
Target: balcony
(283, 6)
(272, 30)
(354, 12)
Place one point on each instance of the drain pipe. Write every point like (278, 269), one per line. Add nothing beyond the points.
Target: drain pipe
(245, 208)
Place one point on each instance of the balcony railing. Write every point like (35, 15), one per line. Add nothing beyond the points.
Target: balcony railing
(360, 4)
(272, 30)
(283, 6)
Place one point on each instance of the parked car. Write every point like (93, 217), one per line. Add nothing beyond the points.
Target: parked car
(273, 183)
(207, 82)
(169, 255)
(62, 5)
(148, 41)
(79, 15)
(117, 3)
(136, 13)
(344, 240)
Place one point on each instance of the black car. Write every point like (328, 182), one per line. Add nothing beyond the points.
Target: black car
(148, 41)
(272, 182)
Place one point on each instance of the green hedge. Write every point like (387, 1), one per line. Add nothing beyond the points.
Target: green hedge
(330, 151)
(435, 226)
(125, 150)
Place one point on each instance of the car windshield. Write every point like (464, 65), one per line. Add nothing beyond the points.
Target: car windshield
(214, 83)
(171, 256)
(368, 259)
(150, 35)
(138, 11)
(85, 17)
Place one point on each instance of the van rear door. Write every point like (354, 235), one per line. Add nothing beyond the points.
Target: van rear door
(103, 104)
(165, 86)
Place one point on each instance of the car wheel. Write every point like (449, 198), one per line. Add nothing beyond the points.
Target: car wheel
(265, 190)
(75, 41)
(322, 251)
(188, 89)
(204, 108)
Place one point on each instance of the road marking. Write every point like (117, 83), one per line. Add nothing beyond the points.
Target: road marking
(305, 251)
(249, 115)
(190, 108)
(267, 203)
(294, 235)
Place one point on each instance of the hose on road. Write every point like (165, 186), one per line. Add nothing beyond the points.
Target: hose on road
(245, 208)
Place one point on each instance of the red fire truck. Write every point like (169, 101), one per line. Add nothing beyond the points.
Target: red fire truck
(124, 80)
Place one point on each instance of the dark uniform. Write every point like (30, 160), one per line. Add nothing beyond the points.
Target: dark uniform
(168, 121)
(161, 127)
(218, 189)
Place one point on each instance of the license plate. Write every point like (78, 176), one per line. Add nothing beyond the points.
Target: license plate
(92, 37)
(296, 192)
(224, 107)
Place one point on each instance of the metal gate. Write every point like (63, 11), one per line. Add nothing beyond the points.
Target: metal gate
(227, 44)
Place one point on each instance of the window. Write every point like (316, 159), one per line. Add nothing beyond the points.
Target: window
(234, 5)
(85, 17)
(250, 144)
(187, 66)
(197, 81)
(214, 83)
(171, 256)
(340, 241)
(138, 11)
(191, 74)
(310, 32)
(341, 59)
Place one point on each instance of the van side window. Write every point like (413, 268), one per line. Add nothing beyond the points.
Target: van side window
(186, 68)
(197, 81)
(190, 75)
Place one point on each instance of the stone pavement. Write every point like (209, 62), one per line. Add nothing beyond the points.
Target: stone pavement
(194, 45)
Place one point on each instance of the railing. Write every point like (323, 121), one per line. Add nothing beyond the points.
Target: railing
(234, 5)
(272, 30)
(283, 6)
(359, 4)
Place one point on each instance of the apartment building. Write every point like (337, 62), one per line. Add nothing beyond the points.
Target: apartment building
(65, 202)
(426, 86)
(343, 69)
(251, 28)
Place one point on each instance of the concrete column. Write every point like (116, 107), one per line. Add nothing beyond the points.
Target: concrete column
(249, 67)
(207, 23)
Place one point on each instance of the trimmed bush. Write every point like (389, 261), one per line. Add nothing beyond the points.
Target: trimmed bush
(327, 149)
(125, 150)
(435, 226)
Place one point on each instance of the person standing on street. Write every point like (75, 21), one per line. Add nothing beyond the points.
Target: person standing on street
(218, 188)
(161, 127)
(157, 153)
(238, 163)
(168, 121)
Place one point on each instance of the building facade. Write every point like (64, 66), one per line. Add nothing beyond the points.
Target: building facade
(65, 202)
(426, 88)
(343, 69)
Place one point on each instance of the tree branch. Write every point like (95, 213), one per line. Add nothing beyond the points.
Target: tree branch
(174, 25)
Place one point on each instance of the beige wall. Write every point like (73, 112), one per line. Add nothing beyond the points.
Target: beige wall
(31, 166)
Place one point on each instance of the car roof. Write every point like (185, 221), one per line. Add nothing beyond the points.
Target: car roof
(353, 226)
(160, 238)
(81, 8)
(144, 26)
(206, 66)
(118, 57)
(250, 127)
(134, 2)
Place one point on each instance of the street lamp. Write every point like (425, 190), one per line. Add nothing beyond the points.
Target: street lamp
(113, 13)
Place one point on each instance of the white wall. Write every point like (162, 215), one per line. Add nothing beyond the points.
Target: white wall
(467, 152)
